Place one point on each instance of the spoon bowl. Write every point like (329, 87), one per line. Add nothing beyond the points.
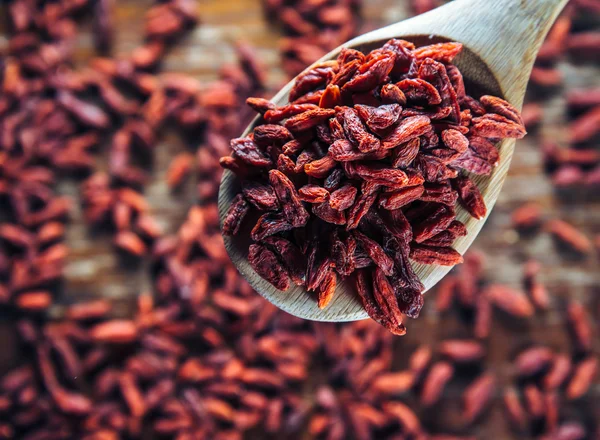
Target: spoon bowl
(500, 42)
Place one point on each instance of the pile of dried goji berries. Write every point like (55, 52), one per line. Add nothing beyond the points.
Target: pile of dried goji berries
(200, 355)
(360, 172)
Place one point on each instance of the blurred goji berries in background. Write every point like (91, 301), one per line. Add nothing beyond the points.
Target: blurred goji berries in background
(108, 182)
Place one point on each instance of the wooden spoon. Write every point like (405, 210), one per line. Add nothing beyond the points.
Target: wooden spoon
(501, 39)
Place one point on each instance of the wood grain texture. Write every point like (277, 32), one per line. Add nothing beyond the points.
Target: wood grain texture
(501, 42)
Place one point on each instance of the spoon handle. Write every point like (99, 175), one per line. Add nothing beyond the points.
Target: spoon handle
(505, 34)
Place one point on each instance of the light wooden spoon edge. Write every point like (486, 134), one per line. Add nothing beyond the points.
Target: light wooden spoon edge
(345, 305)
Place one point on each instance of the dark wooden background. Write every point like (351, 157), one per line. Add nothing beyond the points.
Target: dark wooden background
(94, 270)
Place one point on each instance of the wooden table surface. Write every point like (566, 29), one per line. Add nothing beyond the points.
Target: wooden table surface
(93, 269)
